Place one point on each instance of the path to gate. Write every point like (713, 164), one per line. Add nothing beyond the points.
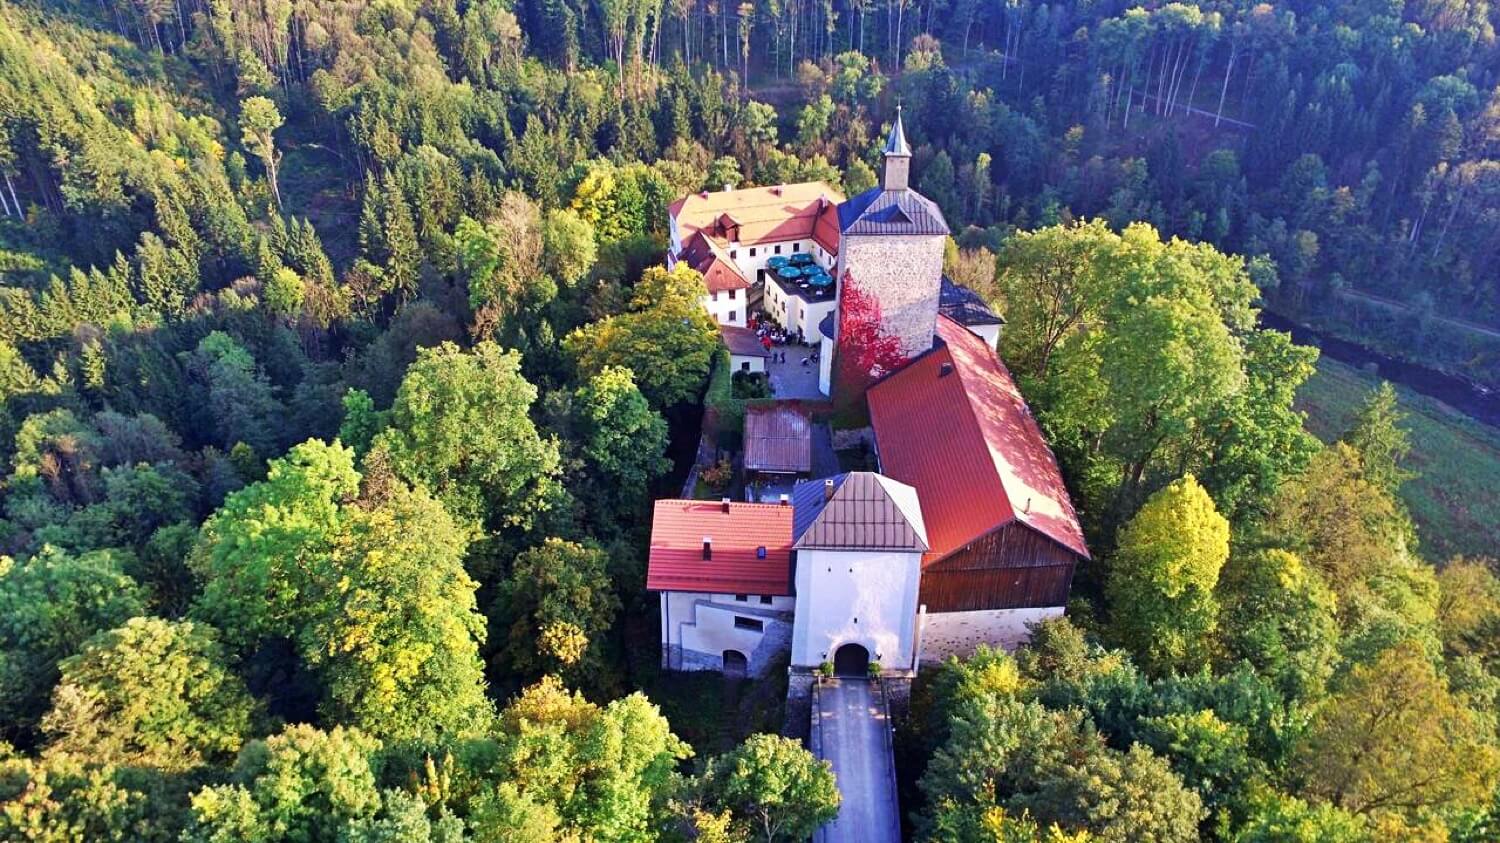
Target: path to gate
(852, 729)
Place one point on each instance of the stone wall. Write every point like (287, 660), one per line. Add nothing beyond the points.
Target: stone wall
(904, 273)
(947, 634)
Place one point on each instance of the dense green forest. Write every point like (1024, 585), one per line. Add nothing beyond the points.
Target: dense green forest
(339, 368)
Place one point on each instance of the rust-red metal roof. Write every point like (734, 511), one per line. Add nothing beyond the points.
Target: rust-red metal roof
(778, 439)
(678, 528)
(953, 424)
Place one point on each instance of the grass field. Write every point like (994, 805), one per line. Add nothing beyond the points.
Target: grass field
(1455, 500)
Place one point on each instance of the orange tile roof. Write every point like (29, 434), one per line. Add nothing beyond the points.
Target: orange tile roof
(720, 274)
(969, 444)
(762, 214)
(676, 562)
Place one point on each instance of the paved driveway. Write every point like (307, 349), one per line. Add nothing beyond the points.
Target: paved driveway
(854, 738)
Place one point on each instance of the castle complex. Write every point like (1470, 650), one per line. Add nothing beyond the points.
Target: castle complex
(964, 535)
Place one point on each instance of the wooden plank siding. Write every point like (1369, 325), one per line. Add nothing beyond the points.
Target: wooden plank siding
(1011, 567)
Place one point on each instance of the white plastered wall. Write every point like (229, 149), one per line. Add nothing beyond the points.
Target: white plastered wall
(726, 310)
(861, 597)
(703, 624)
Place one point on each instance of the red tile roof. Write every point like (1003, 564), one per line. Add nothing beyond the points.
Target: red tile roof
(953, 424)
(762, 214)
(720, 274)
(678, 528)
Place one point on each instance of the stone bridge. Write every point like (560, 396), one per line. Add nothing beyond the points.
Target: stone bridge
(851, 728)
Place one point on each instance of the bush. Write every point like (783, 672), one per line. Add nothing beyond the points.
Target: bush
(718, 475)
(751, 385)
(874, 670)
(826, 668)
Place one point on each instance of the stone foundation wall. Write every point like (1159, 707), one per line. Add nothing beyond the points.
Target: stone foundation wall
(798, 718)
(947, 634)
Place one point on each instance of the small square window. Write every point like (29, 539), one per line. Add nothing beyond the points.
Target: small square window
(765, 599)
(732, 293)
(778, 249)
(714, 296)
(733, 253)
(741, 598)
(752, 251)
(749, 623)
(795, 245)
(733, 316)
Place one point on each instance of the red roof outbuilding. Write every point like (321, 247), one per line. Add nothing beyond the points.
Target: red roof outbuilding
(953, 424)
(750, 548)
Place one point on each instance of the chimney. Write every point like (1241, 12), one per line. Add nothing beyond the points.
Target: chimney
(945, 370)
(728, 187)
(724, 505)
(786, 500)
(1028, 506)
(703, 195)
(708, 548)
(828, 489)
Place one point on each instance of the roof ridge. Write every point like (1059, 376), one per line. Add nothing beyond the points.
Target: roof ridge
(989, 463)
(1017, 514)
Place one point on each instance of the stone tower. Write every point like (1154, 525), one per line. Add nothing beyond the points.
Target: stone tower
(891, 264)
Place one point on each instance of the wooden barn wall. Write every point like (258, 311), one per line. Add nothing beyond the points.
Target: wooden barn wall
(1013, 567)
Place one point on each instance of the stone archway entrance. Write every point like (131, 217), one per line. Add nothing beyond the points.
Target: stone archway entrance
(735, 663)
(851, 660)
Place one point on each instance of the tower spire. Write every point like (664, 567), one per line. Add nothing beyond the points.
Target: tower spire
(896, 143)
(897, 157)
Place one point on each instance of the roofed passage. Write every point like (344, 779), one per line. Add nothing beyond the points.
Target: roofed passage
(778, 439)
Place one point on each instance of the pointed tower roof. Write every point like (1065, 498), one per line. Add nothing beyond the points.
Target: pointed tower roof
(892, 207)
(896, 144)
(860, 510)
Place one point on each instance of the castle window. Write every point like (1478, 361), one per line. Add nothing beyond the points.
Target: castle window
(752, 251)
(733, 253)
(778, 248)
(765, 599)
(731, 294)
(749, 623)
(714, 296)
(741, 598)
(733, 315)
(795, 246)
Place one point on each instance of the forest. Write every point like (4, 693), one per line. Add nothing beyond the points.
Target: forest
(339, 368)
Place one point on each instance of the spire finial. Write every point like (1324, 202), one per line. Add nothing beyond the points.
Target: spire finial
(896, 143)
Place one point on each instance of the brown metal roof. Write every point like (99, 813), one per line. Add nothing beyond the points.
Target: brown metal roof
(742, 341)
(864, 511)
(778, 439)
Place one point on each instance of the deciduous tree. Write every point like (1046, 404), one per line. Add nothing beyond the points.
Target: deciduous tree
(774, 788)
(1162, 577)
(151, 693)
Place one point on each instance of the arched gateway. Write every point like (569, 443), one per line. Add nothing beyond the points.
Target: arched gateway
(851, 660)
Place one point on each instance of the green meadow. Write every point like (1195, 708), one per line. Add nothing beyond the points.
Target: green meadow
(1455, 499)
